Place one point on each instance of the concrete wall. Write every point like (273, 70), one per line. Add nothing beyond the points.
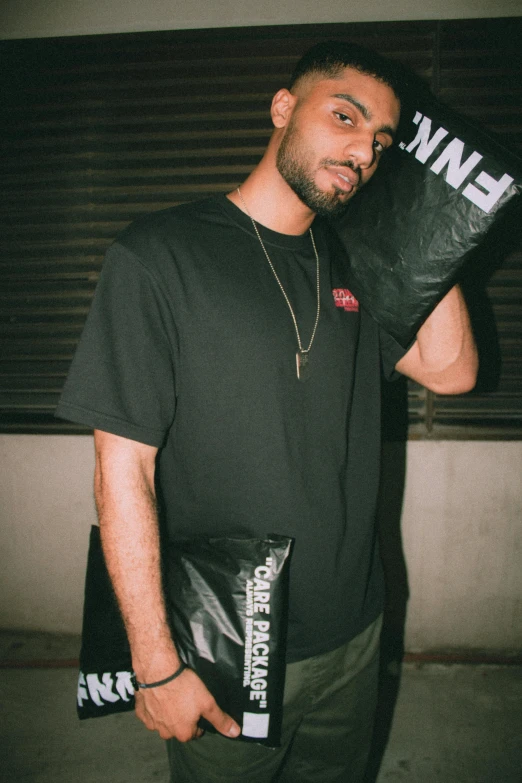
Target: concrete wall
(41, 18)
(463, 501)
(46, 510)
(463, 544)
(460, 522)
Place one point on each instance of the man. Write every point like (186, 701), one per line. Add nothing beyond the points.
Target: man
(233, 380)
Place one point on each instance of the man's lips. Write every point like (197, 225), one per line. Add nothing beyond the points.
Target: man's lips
(347, 178)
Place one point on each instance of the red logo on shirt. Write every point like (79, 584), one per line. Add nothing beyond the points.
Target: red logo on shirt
(345, 299)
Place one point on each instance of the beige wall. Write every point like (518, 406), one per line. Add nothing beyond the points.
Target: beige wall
(463, 545)
(40, 18)
(462, 508)
(45, 514)
(461, 529)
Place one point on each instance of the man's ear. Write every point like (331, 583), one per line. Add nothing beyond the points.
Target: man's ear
(283, 104)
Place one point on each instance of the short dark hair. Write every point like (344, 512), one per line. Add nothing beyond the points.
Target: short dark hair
(329, 58)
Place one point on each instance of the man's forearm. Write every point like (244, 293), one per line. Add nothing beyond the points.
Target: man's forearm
(125, 498)
(444, 356)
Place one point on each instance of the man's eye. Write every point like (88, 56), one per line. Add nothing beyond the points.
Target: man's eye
(344, 118)
(378, 146)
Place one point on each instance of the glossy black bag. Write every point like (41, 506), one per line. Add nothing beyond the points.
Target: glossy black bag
(437, 193)
(227, 601)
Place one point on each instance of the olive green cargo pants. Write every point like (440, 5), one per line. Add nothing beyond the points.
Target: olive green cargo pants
(329, 709)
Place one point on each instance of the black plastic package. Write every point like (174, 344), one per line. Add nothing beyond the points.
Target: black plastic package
(436, 194)
(227, 602)
(104, 682)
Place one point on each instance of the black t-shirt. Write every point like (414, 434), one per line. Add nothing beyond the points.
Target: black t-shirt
(189, 346)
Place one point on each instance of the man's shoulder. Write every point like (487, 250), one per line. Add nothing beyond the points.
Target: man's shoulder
(171, 224)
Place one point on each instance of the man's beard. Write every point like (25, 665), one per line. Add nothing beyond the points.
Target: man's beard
(297, 176)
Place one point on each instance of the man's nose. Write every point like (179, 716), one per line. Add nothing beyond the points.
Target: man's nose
(360, 150)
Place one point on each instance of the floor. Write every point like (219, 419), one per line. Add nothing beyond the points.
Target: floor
(456, 723)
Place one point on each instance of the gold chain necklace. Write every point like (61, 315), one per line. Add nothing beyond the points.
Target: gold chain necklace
(302, 355)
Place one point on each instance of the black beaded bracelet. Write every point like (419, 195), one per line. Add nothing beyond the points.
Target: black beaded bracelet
(159, 682)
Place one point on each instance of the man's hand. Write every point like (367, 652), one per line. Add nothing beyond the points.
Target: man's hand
(174, 709)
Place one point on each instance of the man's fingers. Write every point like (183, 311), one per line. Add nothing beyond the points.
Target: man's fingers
(221, 721)
(178, 717)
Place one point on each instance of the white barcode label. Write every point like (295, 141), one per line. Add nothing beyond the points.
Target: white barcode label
(255, 725)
